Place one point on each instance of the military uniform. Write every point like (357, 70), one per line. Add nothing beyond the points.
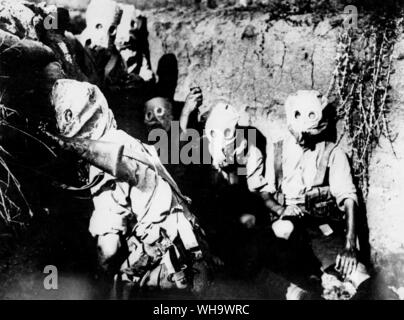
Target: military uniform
(300, 167)
(138, 207)
(318, 181)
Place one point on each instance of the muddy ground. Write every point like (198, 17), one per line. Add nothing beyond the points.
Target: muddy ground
(61, 239)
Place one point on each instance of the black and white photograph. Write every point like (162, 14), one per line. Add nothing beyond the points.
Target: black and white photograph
(218, 152)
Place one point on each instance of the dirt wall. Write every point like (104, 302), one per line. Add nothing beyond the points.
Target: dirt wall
(238, 56)
(386, 194)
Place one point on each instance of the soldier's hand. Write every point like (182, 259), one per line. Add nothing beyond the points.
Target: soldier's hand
(194, 100)
(347, 261)
(291, 211)
(248, 220)
(217, 262)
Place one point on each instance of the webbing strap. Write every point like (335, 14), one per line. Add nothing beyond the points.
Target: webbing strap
(97, 179)
(110, 65)
(322, 170)
(278, 158)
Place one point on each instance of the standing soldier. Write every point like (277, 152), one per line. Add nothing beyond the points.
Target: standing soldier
(102, 20)
(132, 43)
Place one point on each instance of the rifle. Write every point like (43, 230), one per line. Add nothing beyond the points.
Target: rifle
(111, 158)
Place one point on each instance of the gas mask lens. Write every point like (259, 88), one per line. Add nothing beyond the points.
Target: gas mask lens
(112, 31)
(228, 133)
(159, 111)
(149, 115)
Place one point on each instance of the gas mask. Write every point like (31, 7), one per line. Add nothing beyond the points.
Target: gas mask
(220, 130)
(304, 115)
(81, 110)
(158, 114)
(126, 25)
(102, 19)
(131, 36)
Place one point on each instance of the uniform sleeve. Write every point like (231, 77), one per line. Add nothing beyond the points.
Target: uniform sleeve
(255, 171)
(270, 170)
(111, 207)
(340, 178)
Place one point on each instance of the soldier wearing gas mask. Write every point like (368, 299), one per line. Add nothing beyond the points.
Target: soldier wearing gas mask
(160, 111)
(102, 19)
(145, 232)
(237, 152)
(235, 214)
(311, 183)
(132, 43)
(117, 35)
(172, 119)
(158, 114)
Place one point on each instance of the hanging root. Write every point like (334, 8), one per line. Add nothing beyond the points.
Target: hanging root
(360, 84)
(12, 199)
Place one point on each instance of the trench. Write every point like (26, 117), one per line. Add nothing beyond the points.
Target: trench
(227, 53)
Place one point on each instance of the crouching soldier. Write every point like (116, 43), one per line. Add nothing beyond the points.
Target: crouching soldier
(144, 230)
(312, 185)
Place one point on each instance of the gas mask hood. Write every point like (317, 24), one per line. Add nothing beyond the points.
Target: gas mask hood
(304, 115)
(130, 21)
(102, 19)
(220, 130)
(81, 110)
(158, 114)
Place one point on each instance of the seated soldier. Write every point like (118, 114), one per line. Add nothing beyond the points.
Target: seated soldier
(311, 184)
(237, 185)
(141, 220)
(160, 111)
(177, 120)
(174, 118)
